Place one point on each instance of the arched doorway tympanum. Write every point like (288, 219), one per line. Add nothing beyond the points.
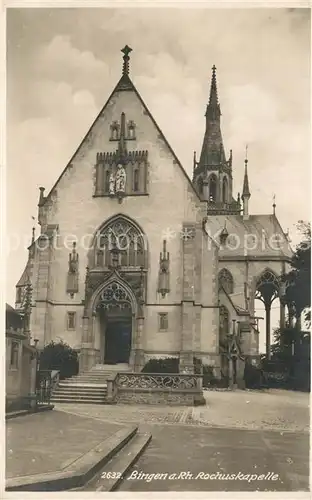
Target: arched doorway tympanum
(114, 319)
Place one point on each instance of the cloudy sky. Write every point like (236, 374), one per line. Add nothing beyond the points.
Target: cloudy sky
(63, 63)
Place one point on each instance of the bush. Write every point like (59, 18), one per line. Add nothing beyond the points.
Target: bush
(166, 365)
(59, 356)
(252, 376)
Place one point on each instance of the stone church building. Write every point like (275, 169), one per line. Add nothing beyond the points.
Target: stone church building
(136, 261)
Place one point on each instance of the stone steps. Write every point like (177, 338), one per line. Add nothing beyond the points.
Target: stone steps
(115, 471)
(77, 400)
(87, 391)
(79, 381)
(87, 387)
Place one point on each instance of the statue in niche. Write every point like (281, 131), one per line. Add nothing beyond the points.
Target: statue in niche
(120, 179)
(72, 275)
(112, 183)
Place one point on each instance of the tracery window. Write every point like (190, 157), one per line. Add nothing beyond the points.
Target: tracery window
(267, 287)
(124, 236)
(114, 295)
(226, 281)
(268, 277)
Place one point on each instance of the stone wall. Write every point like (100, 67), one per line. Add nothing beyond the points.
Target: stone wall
(156, 397)
(72, 208)
(156, 389)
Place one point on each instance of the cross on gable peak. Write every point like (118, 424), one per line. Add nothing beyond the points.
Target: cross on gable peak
(126, 50)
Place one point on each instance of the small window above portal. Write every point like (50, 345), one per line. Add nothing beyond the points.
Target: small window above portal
(114, 129)
(131, 130)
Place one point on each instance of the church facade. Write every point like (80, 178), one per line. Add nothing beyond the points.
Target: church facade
(136, 261)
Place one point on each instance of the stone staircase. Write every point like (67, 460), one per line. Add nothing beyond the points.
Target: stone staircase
(87, 387)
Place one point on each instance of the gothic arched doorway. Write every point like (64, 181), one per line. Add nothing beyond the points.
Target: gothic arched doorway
(114, 323)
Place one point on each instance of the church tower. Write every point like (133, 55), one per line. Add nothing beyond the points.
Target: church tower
(212, 174)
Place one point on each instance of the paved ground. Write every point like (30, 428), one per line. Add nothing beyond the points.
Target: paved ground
(203, 452)
(237, 432)
(272, 410)
(50, 441)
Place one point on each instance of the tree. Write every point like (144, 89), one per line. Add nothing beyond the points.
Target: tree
(59, 356)
(298, 279)
(284, 338)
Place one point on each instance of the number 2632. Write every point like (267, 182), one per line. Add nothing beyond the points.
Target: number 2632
(110, 475)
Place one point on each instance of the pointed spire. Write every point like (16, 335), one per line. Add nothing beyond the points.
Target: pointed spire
(274, 204)
(194, 165)
(41, 196)
(213, 109)
(125, 67)
(33, 232)
(212, 152)
(31, 248)
(246, 191)
(230, 160)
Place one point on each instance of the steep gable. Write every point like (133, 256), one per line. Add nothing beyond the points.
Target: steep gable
(125, 84)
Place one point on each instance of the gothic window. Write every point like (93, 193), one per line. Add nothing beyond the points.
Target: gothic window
(224, 324)
(136, 180)
(126, 239)
(200, 185)
(106, 182)
(71, 321)
(224, 190)
(114, 295)
(14, 354)
(163, 322)
(131, 130)
(267, 286)
(213, 188)
(226, 281)
(268, 277)
(114, 131)
(99, 258)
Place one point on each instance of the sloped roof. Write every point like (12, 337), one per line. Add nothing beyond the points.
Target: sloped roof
(253, 237)
(240, 311)
(24, 279)
(12, 318)
(125, 84)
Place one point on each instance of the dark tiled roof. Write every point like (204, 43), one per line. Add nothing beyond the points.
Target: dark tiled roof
(261, 229)
(12, 318)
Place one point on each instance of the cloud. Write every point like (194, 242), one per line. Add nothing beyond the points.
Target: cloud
(38, 150)
(64, 64)
(61, 54)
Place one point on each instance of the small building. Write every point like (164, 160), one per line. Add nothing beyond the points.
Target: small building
(20, 362)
